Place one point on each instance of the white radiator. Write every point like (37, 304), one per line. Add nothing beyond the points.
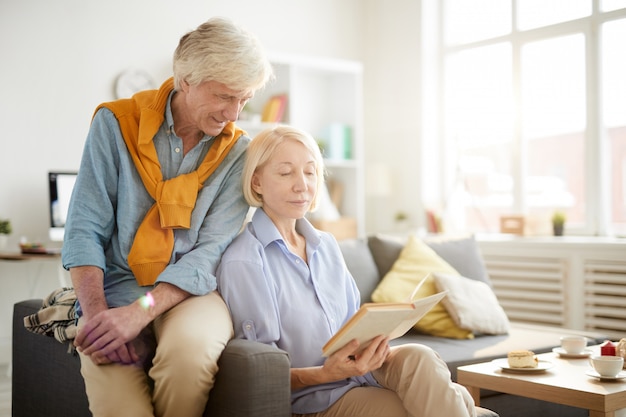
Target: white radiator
(530, 289)
(573, 282)
(605, 297)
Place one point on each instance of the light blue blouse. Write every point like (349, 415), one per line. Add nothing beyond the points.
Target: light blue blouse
(277, 299)
(109, 202)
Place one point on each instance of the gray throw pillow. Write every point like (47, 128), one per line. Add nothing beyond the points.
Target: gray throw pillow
(385, 251)
(463, 254)
(361, 265)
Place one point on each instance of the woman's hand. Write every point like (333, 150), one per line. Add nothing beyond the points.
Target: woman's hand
(344, 363)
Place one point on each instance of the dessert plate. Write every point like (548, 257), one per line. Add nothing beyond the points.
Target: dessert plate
(562, 353)
(541, 366)
(593, 373)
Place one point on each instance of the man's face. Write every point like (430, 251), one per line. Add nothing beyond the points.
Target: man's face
(211, 105)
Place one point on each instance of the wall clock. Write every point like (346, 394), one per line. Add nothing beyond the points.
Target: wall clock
(132, 81)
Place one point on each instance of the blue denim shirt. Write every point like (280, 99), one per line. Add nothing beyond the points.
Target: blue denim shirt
(277, 299)
(109, 203)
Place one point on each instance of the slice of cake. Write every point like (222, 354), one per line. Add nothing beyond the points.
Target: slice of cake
(522, 359)
(620, 349)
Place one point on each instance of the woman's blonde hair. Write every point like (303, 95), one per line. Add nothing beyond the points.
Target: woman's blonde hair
(218, 50)
(261, 150)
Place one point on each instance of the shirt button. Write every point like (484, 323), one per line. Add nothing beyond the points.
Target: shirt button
(177, 150)
(248, 327)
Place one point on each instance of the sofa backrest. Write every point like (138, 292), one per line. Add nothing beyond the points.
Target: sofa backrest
(361, 265)
(369, 259)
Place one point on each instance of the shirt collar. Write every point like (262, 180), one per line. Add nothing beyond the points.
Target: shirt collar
(169, 118)
(266, 232)
(168, 112)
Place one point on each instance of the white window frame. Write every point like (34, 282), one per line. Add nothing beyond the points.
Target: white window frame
(433, 51)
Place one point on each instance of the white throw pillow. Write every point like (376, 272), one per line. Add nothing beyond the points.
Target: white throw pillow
(472, 304)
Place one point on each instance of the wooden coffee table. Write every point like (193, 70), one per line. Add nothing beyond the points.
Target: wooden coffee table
(565, 382)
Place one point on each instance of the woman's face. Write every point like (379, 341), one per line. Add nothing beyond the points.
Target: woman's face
(287, 182)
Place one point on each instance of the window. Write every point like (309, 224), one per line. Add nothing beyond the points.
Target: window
(533, 115)
(470, 21)
(553, 130)
(537, 13)
(479, 119)
(614, 116)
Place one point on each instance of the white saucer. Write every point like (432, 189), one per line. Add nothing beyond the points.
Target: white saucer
(562, 353)
(593, 373)
(541, 366)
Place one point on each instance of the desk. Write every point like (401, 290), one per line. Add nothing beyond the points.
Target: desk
(565, 383)
(38, 261)
(28, 272)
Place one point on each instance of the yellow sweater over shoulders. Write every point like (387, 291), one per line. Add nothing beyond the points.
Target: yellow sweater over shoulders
(139, 118)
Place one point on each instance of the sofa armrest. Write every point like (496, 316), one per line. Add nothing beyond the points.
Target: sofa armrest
(46, 380)
(255, 372)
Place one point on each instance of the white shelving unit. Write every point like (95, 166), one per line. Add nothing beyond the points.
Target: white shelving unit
(322, 93)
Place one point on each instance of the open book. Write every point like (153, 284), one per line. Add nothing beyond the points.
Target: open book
(373, 319)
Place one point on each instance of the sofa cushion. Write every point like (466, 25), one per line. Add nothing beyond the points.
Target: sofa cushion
(463, 254)
(385, 250)
(415, 262)
(472, 304)
(360, 262)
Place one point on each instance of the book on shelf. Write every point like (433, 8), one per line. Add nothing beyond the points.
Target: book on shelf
(433, 221)
(374, 319)
(274, 109)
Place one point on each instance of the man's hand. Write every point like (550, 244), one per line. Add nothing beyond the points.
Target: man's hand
(106, 336)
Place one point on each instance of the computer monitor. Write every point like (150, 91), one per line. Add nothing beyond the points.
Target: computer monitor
(60, 186)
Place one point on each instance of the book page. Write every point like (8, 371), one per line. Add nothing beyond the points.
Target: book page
(373, 319)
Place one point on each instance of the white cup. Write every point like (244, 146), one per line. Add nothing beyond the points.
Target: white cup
(607, 366)
(573, 344)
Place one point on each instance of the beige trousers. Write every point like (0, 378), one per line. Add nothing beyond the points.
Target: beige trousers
(180, 371)
(416, 383)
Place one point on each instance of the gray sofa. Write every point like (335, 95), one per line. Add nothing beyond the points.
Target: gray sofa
(253, 380)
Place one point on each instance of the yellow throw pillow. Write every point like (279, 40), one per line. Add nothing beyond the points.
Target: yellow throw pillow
(415, 262)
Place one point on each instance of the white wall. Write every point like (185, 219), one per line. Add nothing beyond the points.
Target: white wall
(392, 76)
(59, 60)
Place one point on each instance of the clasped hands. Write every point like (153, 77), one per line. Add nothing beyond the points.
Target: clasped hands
(107, 336)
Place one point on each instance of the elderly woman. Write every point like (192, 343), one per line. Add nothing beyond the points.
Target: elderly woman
(286, 285)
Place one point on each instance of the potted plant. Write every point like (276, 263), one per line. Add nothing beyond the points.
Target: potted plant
(401, 219)
(5, 231)
(558, 221)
